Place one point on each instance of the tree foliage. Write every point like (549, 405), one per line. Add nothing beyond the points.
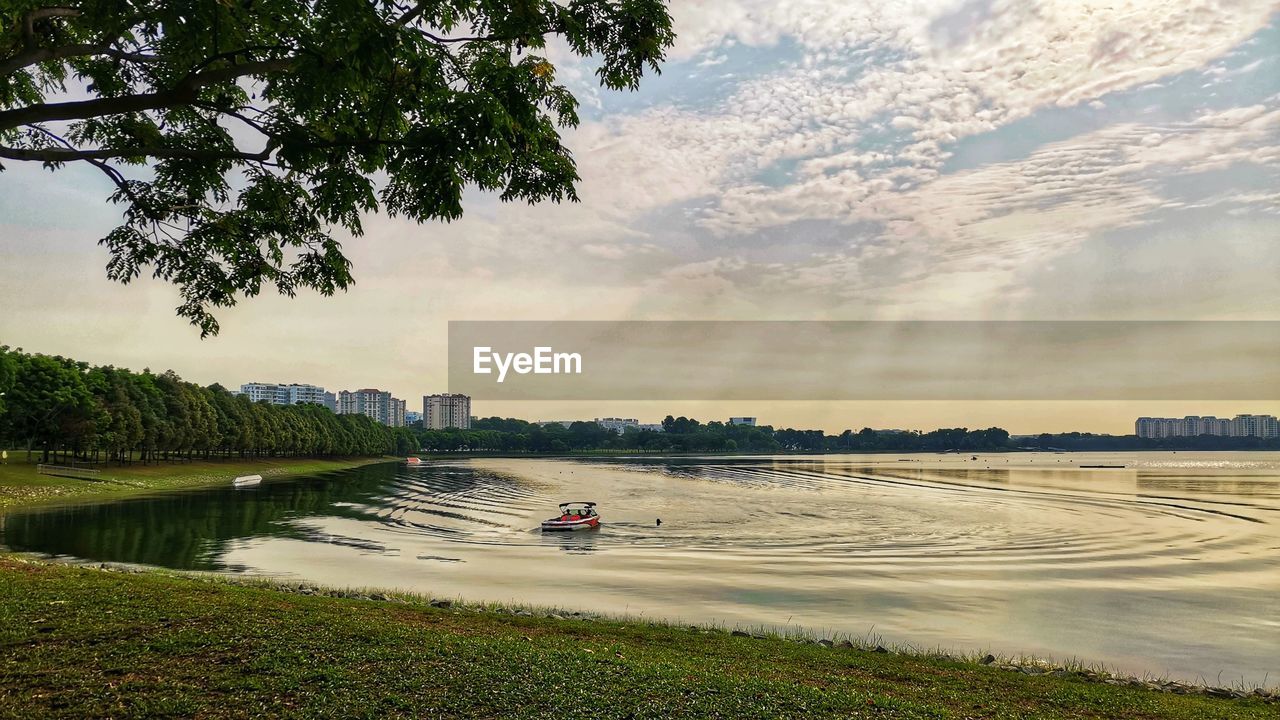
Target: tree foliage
(261, 125)
(688, 435)
(8, 368)
(55, 404)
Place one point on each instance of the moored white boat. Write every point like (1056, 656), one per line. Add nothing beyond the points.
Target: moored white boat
(247, 480)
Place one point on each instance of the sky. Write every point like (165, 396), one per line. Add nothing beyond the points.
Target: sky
(795, 160)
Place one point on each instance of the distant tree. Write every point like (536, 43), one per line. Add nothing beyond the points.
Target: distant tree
(266, 122)
(406, 442)
(8, 370)
(47, 399)
(121, 426)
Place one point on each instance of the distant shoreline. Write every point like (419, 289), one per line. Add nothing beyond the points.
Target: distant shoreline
(444, 455)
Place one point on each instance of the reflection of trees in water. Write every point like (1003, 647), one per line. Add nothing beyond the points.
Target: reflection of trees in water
(911, 471)
(191, 530)
(1211, 484)
(998, 476)
(730, 469)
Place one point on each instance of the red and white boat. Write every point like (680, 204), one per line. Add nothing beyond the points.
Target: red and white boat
(573, 516)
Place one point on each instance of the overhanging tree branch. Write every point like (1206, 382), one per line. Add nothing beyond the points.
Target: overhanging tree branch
(113, 174)
(71, 155)
(39, 55)
(184, 93)
(358, 108)
(29, 20)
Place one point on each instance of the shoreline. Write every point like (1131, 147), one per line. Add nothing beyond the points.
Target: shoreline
(22, 488)
(467, 454)
(366, 636)
(1094, 671)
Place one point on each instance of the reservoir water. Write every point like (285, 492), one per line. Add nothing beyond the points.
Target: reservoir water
(1168, 566)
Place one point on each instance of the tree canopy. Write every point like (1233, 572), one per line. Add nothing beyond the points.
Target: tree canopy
(258, 128)
(688, 435)
(56, 404)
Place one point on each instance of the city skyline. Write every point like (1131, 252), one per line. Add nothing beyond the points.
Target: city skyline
(754, 419)
(1027, 417)
(1242, 425)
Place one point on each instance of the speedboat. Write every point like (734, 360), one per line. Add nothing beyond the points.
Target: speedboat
(573, 516)
(413, 460)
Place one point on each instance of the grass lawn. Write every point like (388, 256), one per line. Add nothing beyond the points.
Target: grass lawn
(20, 485)
(78, 642)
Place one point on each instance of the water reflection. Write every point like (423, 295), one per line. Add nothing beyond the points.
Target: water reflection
(192, 530)
(1210, 484)
(579, 543)
(1018, 553)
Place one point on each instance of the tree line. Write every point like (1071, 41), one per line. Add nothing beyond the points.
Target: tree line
(1091, 442)
(58, 406)
(687, 435)
(682, 434)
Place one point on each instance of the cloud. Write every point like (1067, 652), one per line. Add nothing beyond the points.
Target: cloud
(860, 130)
(808, 174)
(963, 240)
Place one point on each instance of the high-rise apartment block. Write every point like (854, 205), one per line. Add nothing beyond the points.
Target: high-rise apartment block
(377, 404)
(446, 410)
(291, 394)
(618, 425)
(1260, 426)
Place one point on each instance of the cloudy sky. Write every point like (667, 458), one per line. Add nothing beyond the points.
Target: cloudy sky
(797, 159)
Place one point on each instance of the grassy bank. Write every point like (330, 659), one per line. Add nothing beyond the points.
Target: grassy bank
(77, 642)
(20, 485)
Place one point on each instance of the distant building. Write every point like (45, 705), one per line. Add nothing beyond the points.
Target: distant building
(291, 394)
(651, 427)
(377, 404)
(446, 410)
(269, 392)
(749, 421)
(1260, 426)
(1263, 426)
(618, 425)
(412, 419)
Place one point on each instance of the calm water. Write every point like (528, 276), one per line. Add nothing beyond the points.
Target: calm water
(1171, 565)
